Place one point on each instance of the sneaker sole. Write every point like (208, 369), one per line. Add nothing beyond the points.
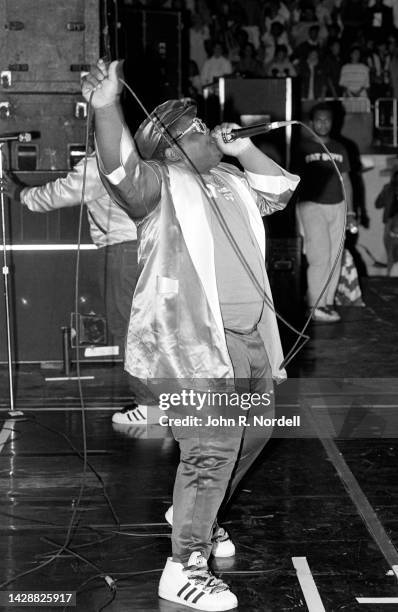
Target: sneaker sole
(128, 422)
(217, 555)
(176, 599)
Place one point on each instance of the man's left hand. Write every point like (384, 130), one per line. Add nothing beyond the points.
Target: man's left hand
(234, 148)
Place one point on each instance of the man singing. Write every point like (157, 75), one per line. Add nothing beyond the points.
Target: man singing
(202, 309)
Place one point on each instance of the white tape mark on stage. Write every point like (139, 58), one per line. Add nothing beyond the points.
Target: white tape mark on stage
(308, 586)
(5, 433)
(377, 600)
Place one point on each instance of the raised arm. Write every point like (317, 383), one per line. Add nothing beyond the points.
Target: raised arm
(133, 183)
(67, 191)
(62, 192)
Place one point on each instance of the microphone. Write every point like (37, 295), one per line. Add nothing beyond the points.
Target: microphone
(253, 130)
(20, 136)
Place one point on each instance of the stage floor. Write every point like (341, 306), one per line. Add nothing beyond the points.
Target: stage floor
(300, 538)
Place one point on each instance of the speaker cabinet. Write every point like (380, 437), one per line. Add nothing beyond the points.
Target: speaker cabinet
(284, 271)
(46, 44)
(42, 299)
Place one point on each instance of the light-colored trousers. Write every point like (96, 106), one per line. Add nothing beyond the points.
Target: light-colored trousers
(321, 226)
(212, 464)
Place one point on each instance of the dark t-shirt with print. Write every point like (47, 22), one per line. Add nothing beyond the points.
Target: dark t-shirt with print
(319, 180)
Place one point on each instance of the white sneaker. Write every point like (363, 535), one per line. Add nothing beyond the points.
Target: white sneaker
(333, 312)
(322, 314)
(195, 586)
(131, 415)
(222, 543)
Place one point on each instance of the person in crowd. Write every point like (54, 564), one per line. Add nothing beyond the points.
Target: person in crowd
(299, 31)
(312, 77)
(311, 43)
(324, 18)
(388, 201)
(281, 66)
(275, 11)
(194, 82)
(200, 311)
(248, 65)
(199, 37)
(115, 235)
(354, 20)
(378, 61)
(332, 63)
(215, 66)
(379, 20)
(321, 211)
(354, 76)
(393, 66)
(276, 36)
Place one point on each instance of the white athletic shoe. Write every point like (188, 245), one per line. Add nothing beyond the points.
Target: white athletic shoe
(131, 415)
(323, 314)
(222, 543)
(195, 586)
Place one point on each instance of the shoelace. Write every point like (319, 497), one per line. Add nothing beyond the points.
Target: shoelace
(201, 576)
(221, 535)
(129, 408)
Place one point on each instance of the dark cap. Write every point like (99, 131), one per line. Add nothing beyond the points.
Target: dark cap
(149, 135)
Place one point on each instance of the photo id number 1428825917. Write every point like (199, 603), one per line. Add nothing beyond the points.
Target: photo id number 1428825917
(37, 598)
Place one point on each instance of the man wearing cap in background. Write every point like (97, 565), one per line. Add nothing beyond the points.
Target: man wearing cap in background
(197, 314)
(115, 235)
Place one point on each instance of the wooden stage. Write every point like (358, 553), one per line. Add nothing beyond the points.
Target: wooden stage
(301, 532)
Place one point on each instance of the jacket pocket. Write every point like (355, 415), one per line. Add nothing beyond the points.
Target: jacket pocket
(166, 285)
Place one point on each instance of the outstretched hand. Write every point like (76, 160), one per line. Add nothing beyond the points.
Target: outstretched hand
(11, 187)
(103, 82)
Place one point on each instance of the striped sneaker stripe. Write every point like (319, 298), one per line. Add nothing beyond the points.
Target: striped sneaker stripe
(191, 592)
(184, 588)
(140, 413)
(196, 599)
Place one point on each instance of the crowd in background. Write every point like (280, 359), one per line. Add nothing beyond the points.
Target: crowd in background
(336, 47)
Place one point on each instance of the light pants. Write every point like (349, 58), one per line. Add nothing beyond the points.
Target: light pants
(117, 265)
(321, 226)
(211, 466)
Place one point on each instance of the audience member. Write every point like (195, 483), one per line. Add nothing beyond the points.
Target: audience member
(276, 36)
(354, 19)
(281, 66)
(199, 36)
(215, 66)
(332, 67)
(388, 200)
(248, 65)
(235, 41)
(354, 76)
(275, 11)
(393, 70)
(194, 81)
(379, 20)
(299, 31)
(312, 77)
(312, 42)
